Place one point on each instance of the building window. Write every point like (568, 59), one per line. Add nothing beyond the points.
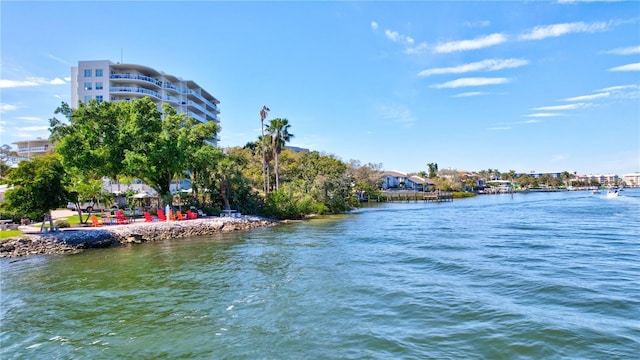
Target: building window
(86, 99)
(98, 86)
(87, 86)
(98, 72)
(87, 72)
(99, 98)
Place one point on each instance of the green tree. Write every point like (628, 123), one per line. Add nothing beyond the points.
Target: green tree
(161, 148)
(91, 142)
(38, 187)
(8, 157)
(280, 135)
(433, 170)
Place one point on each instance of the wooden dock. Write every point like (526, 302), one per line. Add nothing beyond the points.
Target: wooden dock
(415, 196)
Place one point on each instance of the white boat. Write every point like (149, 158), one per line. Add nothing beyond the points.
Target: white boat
(612, 193)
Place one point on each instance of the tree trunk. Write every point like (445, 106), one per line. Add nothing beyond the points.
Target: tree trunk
(223, 193)
(276, 170)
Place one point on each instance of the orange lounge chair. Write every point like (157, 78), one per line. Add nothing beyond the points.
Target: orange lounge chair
(180, 215)
(95, 221)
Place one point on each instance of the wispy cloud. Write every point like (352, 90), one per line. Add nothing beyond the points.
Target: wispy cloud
(477, 24)
(53, 57)
(620, 88)
(473, 81)
(588, 97)
(630, 50)
(484, 65)
(397, 37)
(500, 128)
(555, 30)
(560, 107)
(7, 107)
(471, 93)
(473, 44)
(29, 118)
(33, 128)
(374, 25)
(544, 115)
(628, 67)
(418, 49)
(397, 113)
(32, 81)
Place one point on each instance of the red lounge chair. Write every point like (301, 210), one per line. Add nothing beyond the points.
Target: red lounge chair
(192, 215)
(161, 215)
(148, 217)
(120, 218)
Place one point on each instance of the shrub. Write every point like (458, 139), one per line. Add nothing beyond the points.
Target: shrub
(61, 223)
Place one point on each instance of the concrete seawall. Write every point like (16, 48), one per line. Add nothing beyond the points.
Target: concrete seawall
(76, 239)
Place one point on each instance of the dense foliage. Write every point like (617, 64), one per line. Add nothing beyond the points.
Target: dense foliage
(134, 140)
(38, 187)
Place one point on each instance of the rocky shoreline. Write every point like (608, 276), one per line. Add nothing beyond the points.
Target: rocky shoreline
(73, 240)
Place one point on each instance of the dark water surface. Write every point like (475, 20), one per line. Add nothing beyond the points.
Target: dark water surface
(538, 275)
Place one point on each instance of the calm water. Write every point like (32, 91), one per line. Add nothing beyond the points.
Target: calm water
(553, 276)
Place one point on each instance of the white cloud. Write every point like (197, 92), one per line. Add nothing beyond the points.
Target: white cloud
(530, 121)
(620, 88)
(484, 65)
(474, 44)
(398, 114)
(33, 128)
(477, 24)
(543, 32)
(471, 93)
(31, 81)
(628, 67)
(374, 25)
(7, 107)
(53, 57)
(422, 47)
(588, 97)
(474, 81)
(498, 128)
(29, 118)
(397, 37)
(624, 51)
(560, 107)
(543, 115)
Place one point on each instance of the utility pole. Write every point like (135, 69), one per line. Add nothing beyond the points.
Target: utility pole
(263, 115)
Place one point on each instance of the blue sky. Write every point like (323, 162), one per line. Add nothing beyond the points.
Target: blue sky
(524, 86)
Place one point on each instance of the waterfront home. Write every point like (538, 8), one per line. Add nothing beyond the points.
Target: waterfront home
(398, 180)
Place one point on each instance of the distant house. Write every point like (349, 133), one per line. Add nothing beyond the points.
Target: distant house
(417, 183)
(28, 149)
(394, 180)
(398, 180)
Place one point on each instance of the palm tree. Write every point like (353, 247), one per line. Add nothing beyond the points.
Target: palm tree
(279, 131)
(433, 170)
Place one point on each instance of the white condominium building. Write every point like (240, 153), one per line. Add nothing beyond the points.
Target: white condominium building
(104, 80)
